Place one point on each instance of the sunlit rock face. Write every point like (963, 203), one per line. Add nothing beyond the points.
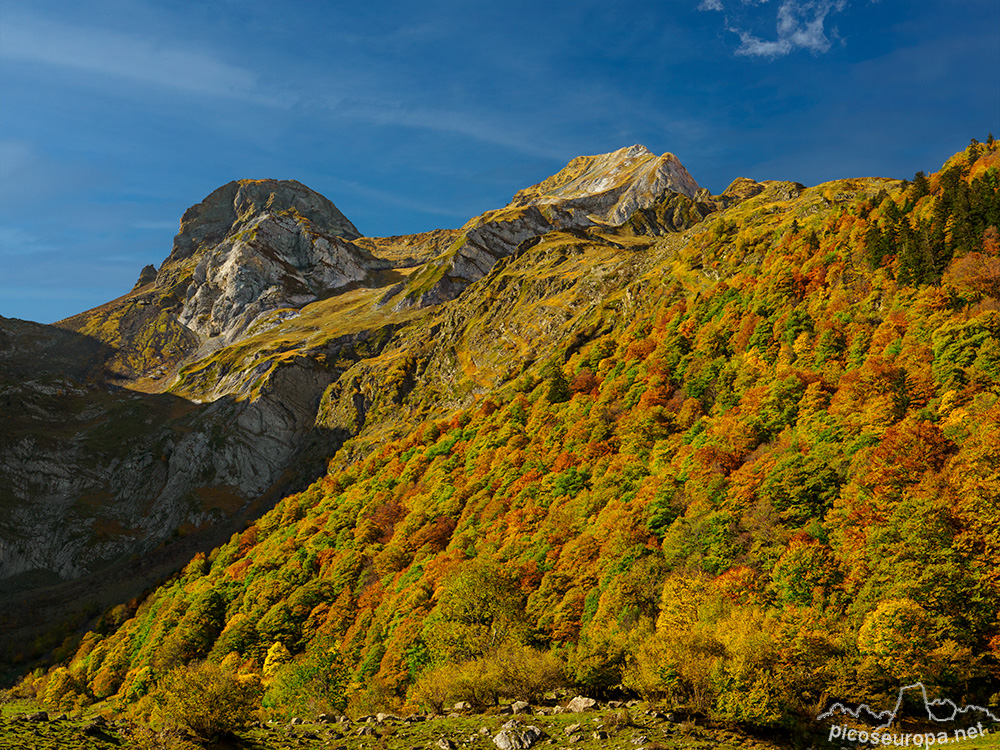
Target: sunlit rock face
(609, 188)
(263, 245)
(603, 190)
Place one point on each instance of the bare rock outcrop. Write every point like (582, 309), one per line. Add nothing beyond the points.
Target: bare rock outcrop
(258, 246)
(229, 207)
(602, 190)
(608, 188)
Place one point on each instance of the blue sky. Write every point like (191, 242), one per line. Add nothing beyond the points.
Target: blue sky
(115, 117)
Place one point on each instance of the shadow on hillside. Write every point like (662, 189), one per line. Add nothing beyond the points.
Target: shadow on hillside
(66, 420)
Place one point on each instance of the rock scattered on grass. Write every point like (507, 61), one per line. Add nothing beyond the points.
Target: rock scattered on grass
(580, 704)
(513, 737)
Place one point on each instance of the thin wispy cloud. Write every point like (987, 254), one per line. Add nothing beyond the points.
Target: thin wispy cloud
(16, 240)
(798, 26)
(30, 177)
(386, 197)
(121, 57)
(15, 156)
(468, 124)
(717, 4)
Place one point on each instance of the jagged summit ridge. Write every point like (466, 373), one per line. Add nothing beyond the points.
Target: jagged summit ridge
(604, 190)
(253, 248)
(610, 187)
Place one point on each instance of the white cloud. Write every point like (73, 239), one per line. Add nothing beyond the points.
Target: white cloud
(123, 57)
(800, 25)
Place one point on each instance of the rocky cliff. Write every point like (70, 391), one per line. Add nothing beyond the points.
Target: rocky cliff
(609, 188)
(255, 255)
(591, 191)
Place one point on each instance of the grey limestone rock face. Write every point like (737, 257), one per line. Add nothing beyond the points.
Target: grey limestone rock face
(77, 502)
(274, 261)
(609, 188)
(92, 473)
(592, 190)
(478, 250)
(209, 222)
(259, 246)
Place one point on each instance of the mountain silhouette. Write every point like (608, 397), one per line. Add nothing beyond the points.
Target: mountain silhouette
(912, 702)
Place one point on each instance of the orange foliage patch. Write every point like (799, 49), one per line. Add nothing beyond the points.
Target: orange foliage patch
(738, 584)
(640, 349)
(237, 570)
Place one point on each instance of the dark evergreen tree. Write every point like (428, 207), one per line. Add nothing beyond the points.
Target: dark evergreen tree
(558, 387)
(877, 246)
(909, 268)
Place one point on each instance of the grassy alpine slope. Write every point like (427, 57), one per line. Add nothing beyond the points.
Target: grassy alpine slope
(740, 469)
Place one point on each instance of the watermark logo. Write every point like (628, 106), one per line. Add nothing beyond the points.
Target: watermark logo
(882, 726)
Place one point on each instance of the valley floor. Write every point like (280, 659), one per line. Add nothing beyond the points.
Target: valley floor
(634, 729)
(639, 727)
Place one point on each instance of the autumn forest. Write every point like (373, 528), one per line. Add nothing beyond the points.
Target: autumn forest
(762, 474)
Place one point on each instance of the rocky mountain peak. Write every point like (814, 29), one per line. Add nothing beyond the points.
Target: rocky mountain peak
(236, 204)
(605, 190)
(146, 276)
(637, 150)
(608, 188)
(255, 246)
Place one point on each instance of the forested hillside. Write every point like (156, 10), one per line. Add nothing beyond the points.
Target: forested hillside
(763, 471)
